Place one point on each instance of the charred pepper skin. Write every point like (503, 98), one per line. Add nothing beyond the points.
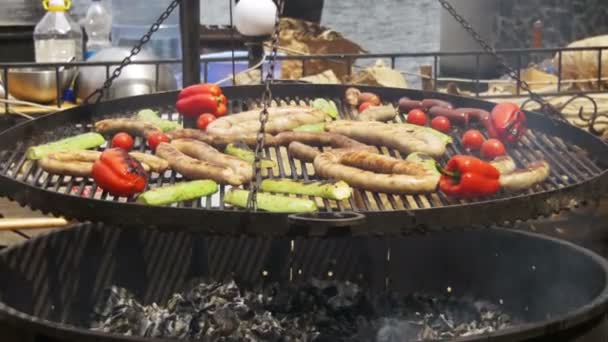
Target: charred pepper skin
(508, 123)
(118, 173)
(468, 177)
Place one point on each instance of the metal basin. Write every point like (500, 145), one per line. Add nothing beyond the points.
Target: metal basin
(49, 285)
(135, 79)
(38, 85)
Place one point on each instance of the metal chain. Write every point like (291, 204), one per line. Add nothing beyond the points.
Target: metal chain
(266, 102)
(545, 106)
(100, 92)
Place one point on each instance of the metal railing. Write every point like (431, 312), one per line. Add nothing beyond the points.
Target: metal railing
(394, 59)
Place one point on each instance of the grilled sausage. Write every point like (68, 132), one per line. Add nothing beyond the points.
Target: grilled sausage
(428, 103)
(196, 169)
(405, 139)
(453, 115)
(317, 139)
(378, 113)
(132, 126)
(525, 178)
(68, 168)
(280, 119)
(201, 151)
(300, 143)
(308, 153)
(405, 104)
(327, 165)
(81, 155)
(150, 161)
(219, 141)
(504, 164)
(382, 164)
(302, 151)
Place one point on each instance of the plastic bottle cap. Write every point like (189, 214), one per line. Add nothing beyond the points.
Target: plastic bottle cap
(57, 5)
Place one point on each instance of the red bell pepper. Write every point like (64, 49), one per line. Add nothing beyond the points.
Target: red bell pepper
(203, 88)
(118, 173)
(468, 177)
(200, 98)
(507, 123)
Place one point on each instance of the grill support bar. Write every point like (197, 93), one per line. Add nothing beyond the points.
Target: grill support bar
(189, 12)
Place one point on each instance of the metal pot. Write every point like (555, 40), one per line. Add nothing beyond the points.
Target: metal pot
(135, 79)
(38, 85)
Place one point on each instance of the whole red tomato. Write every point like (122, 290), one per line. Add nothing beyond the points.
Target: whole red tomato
(123, 140)
(492, 148)
(364, 106)
(204, 120)
(416, 117)
(441, 123)
(155, 138)
(472, 139)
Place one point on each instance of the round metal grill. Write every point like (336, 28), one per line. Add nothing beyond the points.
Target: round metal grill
(578, 172)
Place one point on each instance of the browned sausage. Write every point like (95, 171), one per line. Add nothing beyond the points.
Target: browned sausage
(378, 113)
(196, 169)
(219, 141)
(132, 126)
(308, 153)
(428, 103)
(405, 104)
(524, 179)
(327, 165)
(302, 151)
(201, 151)
(316, 139)
(68, 168)
(382, 164)
(451, 114)
(474, 113)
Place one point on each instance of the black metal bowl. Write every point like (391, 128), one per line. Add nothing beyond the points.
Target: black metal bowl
(50, 284)
(579, 163)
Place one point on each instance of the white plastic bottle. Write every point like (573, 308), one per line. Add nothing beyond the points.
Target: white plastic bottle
(98, 25)
(57, 37)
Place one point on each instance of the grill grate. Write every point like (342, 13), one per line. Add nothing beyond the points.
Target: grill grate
(568, 167)
(571, 165)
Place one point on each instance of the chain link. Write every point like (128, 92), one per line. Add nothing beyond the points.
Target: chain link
(266, 103)
(100, 92)
(545, 106)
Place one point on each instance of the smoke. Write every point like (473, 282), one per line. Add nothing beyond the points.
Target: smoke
(396, 330)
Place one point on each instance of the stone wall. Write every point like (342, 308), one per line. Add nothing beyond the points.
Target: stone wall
(563, 21)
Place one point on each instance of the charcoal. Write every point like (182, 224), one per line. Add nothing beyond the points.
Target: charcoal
(317, 310)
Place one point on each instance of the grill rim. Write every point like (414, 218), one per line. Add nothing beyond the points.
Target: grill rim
(227, 221)
(590, 312)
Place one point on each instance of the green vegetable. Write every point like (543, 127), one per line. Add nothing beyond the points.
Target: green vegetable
(446, 138)
(424, 159)
(79, 142)
(272, 203)
(334, 191)
(313, 128)
(152, 117)
(179, 192)
(243, 152)
(329, 107)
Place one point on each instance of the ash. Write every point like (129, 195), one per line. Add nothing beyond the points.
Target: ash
(312, 311)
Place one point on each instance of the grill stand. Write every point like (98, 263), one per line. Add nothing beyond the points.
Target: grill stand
(189, 12)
